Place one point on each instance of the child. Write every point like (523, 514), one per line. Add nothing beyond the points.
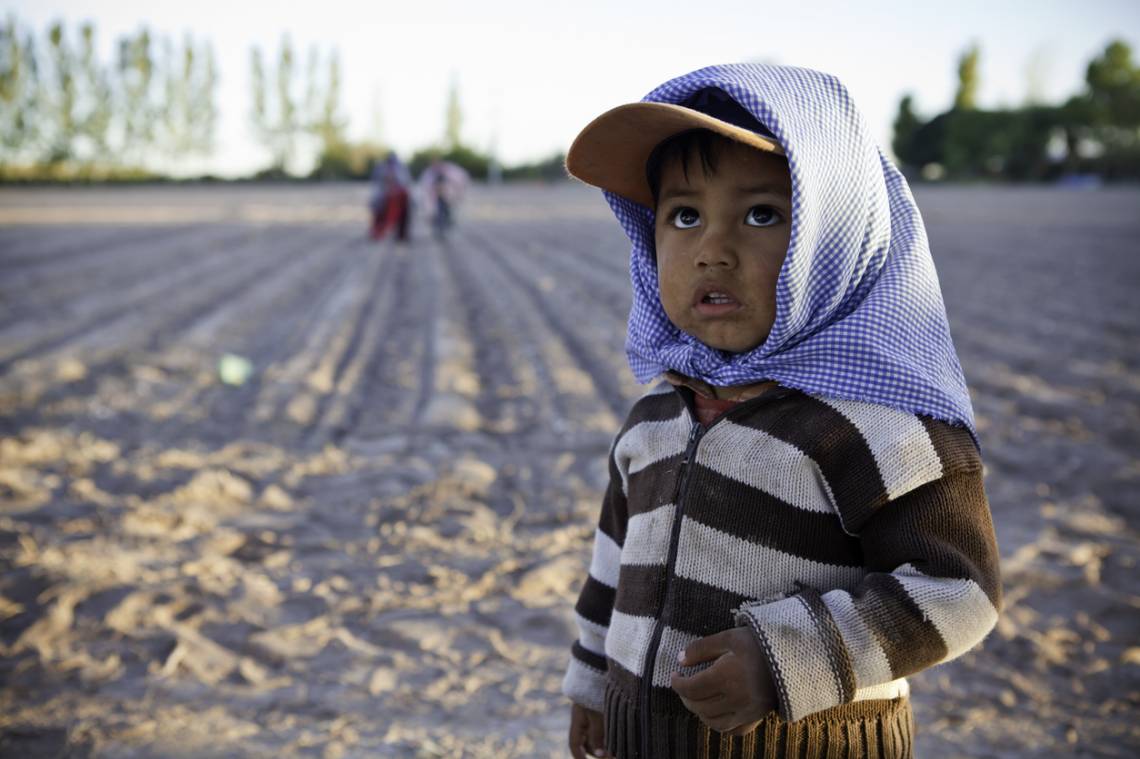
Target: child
(795, 519)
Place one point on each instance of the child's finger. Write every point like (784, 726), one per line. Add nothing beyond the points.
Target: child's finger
(577, 747)
(579, 732)
(705, 649)
(722, 723)
(699, 687)
(596, 737)
(706, 710)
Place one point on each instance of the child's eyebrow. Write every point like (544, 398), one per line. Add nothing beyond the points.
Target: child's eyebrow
(765, 189)
(676, 192)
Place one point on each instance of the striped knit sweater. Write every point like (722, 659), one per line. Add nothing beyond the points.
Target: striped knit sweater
(853, 539)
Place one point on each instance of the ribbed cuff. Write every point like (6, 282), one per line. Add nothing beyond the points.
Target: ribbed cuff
(809, 663)
(584, 685)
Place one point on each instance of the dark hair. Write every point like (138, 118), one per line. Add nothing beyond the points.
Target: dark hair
(682, 146)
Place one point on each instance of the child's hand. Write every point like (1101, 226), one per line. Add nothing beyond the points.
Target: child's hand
(734, 694)
(587, 733)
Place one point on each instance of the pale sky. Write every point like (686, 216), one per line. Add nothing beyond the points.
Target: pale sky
(532, 74)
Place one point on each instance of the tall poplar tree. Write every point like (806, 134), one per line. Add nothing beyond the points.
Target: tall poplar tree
(966, 98)
(453, 119)
(20, 94)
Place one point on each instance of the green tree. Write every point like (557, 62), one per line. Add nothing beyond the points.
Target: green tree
(336, 157)
(310, 105)
(137, 102)
(20, 94)
(177, 75)
(60, 111)
(1114, 86)
(189, 110)
(966, 97)
(1110, 110)
(205, 105)
(550, 169)
(275, 115)
(94, 102)
(287, 125)
(453, 119)
(905, 126)
(259, 100)
(330, 123)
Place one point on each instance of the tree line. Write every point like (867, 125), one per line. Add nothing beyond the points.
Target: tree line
(66, 112)
(1095, 132)
(151, 111)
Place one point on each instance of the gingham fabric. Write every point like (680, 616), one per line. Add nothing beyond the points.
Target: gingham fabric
(859, 312)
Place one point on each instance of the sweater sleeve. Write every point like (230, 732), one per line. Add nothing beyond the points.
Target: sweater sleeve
(584, 682)
(932, 592)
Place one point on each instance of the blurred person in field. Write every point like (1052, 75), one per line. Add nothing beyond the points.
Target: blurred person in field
(391, 201)
(442, 185)
(795, 520)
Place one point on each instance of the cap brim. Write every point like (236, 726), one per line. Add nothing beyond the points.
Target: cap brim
(611, 152)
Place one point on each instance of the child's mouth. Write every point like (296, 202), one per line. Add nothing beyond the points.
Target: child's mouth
(715, 303)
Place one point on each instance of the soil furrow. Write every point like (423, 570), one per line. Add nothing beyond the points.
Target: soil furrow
(401, 365)
(363, 342)
(374, 397)
(264, 330)
(68, 287)
(586, 358)
(603, 248)
(273, 259)
(552, 259)
(430, 289)
(516, 390)
(308, 360)
(125, 304)
(86, 241)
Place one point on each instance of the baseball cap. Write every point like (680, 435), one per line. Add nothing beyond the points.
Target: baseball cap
(612, 151)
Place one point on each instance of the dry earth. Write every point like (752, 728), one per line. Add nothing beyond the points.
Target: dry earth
(372, 546)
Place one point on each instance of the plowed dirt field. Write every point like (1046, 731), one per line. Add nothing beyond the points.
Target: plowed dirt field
(371, 544)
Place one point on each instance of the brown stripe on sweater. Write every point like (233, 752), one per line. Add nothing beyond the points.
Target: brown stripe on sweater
(659, 407)
(943, 528)
(655, 485)
(909, 641)
(615, 508)
(700, 609)
(588, 657)
(761, 518)
(836, 445)
(666, 702)
(596, 601)
(838, 657)
(621, 679)
(955, 446)
(639, 590)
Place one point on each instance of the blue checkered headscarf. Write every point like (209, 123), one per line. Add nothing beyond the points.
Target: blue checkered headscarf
(859, 312)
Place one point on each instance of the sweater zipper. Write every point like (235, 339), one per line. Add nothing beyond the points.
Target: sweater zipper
(695, 433)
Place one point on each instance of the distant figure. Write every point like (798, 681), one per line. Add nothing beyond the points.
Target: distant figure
(442, 185)
(390, 199)
(796, 518)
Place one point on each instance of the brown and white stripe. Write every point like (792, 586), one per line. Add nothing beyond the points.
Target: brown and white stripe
(853, 539)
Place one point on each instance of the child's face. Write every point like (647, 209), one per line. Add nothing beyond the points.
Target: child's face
(721, 240)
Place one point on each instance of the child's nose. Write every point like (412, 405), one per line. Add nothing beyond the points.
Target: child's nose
(716, 249)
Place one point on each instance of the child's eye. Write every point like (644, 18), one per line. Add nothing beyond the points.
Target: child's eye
(685, 218)
(762, 216)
